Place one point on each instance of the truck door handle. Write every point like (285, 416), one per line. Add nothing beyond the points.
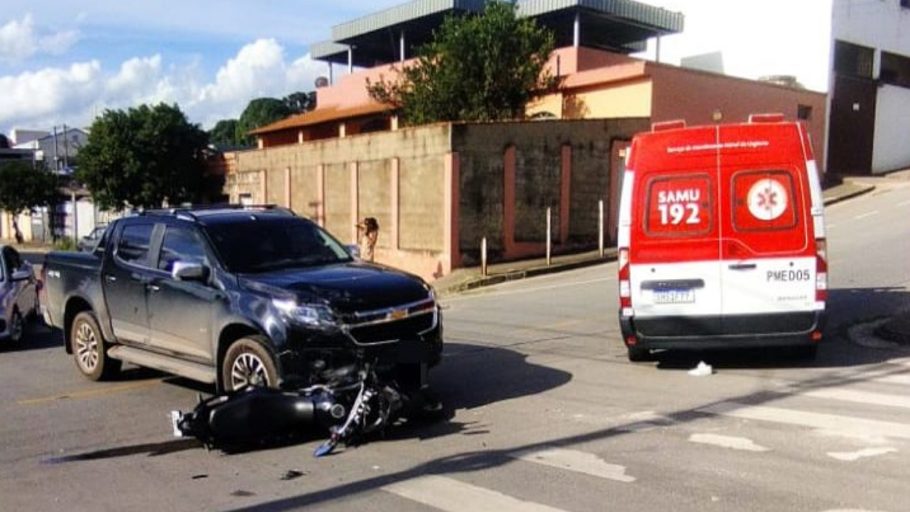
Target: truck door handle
(743, 266)
(110, 279)
(152, 287)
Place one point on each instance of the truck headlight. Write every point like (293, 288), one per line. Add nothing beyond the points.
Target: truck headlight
(313, 315)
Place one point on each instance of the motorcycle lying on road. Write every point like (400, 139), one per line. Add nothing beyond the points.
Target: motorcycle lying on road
(353, 403)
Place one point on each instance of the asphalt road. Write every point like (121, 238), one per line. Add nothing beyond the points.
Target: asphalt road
(546, 414)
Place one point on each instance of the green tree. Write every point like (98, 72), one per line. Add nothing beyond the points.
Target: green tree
(300, 102)
(477, 68)
(24, 188)
(224, 134)
(260, 112)
(142, 157)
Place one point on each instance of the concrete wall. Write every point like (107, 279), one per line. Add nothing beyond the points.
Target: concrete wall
(509, 173)
(397, 177)
(437, 190)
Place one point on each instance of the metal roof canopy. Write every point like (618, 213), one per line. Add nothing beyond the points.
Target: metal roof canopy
(616, 25)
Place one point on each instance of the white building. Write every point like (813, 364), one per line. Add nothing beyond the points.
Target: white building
(869, 86)
(55, 148)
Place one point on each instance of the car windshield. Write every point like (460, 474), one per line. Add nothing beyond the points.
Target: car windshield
(267, 244)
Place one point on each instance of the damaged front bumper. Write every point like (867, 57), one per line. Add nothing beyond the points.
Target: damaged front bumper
(407, 345)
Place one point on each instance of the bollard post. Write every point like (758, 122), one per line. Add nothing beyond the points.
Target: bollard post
(483, 257)
(549, 233)
(600, 227)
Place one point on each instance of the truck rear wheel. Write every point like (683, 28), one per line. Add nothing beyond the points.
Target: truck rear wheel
(248, 363)
(89, 349)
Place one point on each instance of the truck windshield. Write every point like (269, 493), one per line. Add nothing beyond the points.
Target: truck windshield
(263, 245)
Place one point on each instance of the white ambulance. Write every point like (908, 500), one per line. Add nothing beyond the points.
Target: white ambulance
(721, 238)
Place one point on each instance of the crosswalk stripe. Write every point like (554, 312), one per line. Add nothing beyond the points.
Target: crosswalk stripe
(894, 379)
(453, 495)
(577, 461)
(846, 425)
(862, 397)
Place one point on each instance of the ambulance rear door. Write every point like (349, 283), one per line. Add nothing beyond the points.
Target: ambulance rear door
(674, 253)
(768, 258)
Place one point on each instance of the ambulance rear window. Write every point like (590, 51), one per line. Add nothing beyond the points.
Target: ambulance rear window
(763, 201)
(679, 205)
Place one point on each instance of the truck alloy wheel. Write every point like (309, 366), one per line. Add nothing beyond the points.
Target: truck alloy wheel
(248, 363)
(89, 350)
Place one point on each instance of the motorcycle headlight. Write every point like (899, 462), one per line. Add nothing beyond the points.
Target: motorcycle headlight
(313, 315)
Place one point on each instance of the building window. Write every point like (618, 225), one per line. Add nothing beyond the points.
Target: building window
(853, 60)
(804, 112)
(895, 69)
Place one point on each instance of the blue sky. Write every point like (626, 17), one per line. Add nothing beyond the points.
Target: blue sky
(65, 61)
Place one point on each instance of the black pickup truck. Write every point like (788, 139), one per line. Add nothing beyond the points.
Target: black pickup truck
(237, 295)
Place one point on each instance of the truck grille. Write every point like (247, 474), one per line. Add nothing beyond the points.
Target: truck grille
(395, 330)
(394, 323)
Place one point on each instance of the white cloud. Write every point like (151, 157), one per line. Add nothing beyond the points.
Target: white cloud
(19, 40)
(74, 94)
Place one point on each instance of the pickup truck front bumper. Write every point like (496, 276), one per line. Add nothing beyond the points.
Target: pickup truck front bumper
(413, 345)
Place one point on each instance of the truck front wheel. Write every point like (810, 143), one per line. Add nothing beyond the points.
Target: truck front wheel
(89, 349)
(248, 363)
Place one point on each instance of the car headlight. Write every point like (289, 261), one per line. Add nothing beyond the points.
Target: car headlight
(313, 315)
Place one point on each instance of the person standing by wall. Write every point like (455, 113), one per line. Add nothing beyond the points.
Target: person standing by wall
(368, 230)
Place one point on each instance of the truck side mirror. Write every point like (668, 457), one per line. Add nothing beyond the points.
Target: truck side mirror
(24, 274)
(189, 271)
(353, 250)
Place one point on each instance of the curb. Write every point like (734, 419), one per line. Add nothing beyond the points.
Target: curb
(865, 190)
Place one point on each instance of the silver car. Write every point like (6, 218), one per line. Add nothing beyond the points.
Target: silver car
(18, 294)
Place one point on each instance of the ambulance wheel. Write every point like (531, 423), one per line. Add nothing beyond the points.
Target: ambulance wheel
(639, 355)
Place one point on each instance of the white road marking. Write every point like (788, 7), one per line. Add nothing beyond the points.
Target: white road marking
(894, 379)
(867, 214)
(867, 452)
(904, 203)
(860, 397)
(577, 461)
(735, 443)
(453, 495)
(829, 423)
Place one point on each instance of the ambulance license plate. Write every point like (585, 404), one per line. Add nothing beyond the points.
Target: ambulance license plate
(674, 296)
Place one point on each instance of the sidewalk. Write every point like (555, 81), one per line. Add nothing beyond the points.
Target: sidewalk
(464, 279)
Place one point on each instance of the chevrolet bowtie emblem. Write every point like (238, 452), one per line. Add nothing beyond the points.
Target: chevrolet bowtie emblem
(398, 314)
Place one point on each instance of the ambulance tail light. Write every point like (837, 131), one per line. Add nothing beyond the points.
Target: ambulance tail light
(766, 118)
(625, 286)
(821, 270)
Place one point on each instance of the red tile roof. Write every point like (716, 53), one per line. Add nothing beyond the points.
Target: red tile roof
(321, 115)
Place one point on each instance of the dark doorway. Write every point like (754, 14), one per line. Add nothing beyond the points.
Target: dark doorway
(852, 127)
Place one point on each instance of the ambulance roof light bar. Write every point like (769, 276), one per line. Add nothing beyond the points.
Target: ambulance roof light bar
(766, 118)
(675, 124)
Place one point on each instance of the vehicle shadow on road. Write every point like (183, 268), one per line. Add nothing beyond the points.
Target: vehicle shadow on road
(37, 336)
(846, 308)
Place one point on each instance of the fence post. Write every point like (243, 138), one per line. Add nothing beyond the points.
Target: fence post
(600, 227)
(483, 257)
(549, 233)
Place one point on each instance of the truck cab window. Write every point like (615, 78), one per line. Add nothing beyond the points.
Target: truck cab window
(180, 244)
(134, 244)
